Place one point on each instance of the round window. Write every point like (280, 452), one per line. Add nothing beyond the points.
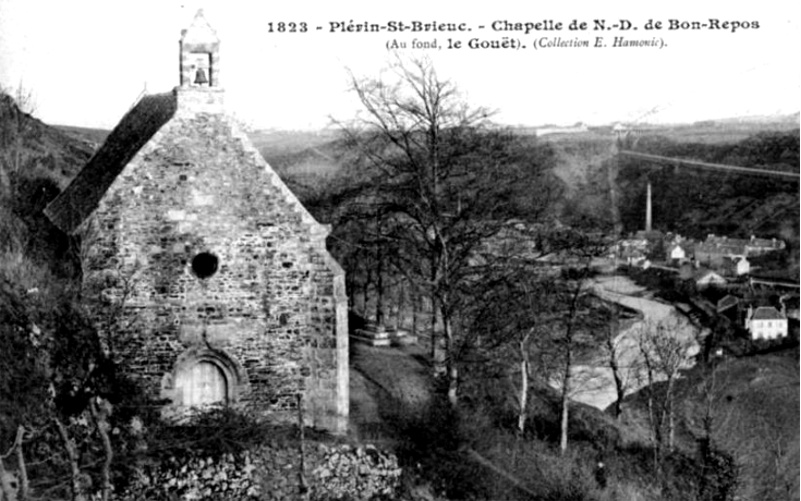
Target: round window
(205, 264)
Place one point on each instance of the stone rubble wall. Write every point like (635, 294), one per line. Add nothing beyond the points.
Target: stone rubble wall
(271, 472)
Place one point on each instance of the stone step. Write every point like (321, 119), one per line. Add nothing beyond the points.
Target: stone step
(370, 340)
(380, 336)
(404, 340)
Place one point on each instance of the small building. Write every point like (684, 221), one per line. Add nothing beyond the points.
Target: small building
(735, 266)
(676, 252)
(766, 322)
(226, 290)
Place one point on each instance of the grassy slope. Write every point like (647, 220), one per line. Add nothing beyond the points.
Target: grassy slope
(755, 405)
(38, 161)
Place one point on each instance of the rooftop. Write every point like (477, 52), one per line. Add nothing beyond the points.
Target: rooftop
(768, 313)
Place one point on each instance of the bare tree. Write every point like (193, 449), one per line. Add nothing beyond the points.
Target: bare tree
(666, 347)
(16, 106)
(440, 179)
(515, 317)
(612, 350)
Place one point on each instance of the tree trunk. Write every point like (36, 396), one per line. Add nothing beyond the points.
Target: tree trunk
(614, 200)
(415, 312)
(380, 312)
(656, 425)
(438, 355)
(400, 306)
(24, 484)
(72, 456)
(671, 428)
(450, 360)
(574, 303)
(103, 427)
(566, 390)
(523, 396)
(669, 412)
(565, 406)
(620, 388)
(367, 284)
(302, 484)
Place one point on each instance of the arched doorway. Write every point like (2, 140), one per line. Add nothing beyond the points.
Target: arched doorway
(202, 383)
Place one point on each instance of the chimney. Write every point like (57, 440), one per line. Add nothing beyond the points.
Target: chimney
(648, 208)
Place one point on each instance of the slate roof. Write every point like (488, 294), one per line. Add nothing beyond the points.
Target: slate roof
(727, 302)
(703, 273)
(767, 313)
(136, 128)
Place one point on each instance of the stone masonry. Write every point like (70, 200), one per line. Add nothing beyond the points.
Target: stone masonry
(267, 308)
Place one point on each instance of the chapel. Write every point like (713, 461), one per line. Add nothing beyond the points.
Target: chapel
(212, 283)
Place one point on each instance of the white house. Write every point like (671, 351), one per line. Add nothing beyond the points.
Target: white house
(736, 266)
(766, 322)
(676, 252)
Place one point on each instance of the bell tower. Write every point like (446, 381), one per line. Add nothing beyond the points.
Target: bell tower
(199, 88)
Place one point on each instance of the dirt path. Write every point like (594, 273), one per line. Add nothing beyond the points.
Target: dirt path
(385, 383)
(594, 383)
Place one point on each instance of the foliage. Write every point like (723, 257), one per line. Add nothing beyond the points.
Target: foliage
(718, 473)
(56, 384)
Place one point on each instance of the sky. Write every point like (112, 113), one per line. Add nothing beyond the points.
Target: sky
(87, 61)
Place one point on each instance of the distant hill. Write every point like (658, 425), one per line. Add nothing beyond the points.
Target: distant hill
(91, 137)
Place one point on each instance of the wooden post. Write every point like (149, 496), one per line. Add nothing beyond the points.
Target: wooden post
(302, 487)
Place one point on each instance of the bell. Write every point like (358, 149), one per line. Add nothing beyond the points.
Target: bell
(200, 77)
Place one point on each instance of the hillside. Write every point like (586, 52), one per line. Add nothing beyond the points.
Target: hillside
(36, 162)
(44, 151)
(753, 404)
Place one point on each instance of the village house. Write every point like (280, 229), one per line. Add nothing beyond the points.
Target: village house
(632, 251)
(676, 252)
(735, 266)
(758, 246)
(766, 322)
(227, 293)
(712, 251)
